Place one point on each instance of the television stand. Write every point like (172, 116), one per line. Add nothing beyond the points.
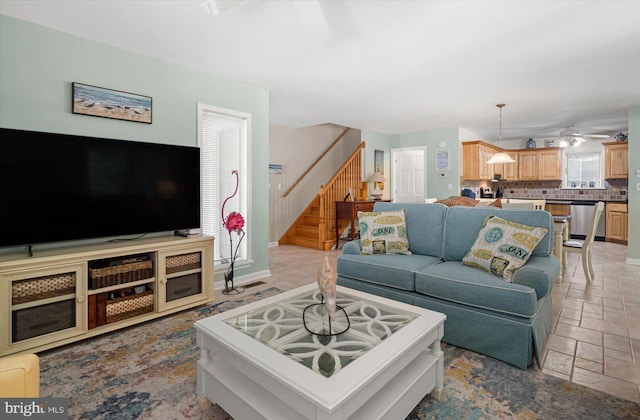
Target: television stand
(64, 295)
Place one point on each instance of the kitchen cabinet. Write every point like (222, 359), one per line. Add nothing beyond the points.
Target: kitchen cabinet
(475, 155)
(616, 155)
(528, 165)
(550, 164)
(540, 164)
(485, 169)
(509, 171)
(531, 164)
(558, 209)
(617, 223)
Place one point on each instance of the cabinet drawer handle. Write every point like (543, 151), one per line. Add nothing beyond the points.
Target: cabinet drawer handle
(163, 281)
(80, 299)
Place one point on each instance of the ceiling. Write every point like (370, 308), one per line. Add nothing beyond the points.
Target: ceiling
(394, 66)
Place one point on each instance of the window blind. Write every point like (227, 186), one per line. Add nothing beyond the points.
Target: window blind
(584, 170)
(223, 149)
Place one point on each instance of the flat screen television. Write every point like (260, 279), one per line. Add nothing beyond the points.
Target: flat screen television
(58, 187)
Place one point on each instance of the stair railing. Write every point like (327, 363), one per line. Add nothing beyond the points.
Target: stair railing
(344, 132)
(347, 177)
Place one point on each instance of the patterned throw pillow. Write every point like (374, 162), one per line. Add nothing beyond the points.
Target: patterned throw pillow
(503, 246)
(383, 232)
(459, 201)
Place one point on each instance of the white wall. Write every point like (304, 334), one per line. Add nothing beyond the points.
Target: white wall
(296, 149)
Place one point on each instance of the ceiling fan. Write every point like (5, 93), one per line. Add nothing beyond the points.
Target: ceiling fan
(312, 14)
(572, 137)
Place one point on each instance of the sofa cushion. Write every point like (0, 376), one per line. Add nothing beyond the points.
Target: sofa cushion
(383, 232)
(393, 270)
(424, 225)
(459, 201)
(463, 224)
(503, 246)
(454, 282)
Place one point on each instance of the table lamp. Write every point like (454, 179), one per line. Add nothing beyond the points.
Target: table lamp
(375, 178)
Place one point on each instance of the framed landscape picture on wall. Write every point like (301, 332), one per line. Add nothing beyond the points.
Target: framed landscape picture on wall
(109, 103)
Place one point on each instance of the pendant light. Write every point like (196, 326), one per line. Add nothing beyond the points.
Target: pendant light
(501, 157)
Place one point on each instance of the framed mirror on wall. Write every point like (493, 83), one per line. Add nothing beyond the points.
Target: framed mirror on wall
(442, 160)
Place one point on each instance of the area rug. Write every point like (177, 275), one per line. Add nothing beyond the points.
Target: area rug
(149, 372)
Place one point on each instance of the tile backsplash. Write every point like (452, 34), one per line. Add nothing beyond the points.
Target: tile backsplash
(615, 190)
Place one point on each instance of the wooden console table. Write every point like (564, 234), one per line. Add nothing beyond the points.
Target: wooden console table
(349, 210)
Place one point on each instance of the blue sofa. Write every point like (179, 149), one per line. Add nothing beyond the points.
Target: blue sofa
(485, 313)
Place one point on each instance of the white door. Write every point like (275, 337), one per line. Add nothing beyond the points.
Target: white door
(408, 184)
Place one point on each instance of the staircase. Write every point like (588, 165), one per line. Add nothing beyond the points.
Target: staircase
(306, 230)
(315, 228)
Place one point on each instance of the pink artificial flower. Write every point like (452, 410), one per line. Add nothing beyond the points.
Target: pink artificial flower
(234, 222)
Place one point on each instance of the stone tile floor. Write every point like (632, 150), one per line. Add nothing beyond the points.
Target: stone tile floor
(595, 339)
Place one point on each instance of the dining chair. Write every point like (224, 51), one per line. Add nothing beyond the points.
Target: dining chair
(583, 247)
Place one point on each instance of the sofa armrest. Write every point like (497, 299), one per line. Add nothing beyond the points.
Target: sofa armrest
(20, 376)
(352, 247)
(539, 273)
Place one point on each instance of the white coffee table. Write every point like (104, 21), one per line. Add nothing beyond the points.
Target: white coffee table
(259, 361)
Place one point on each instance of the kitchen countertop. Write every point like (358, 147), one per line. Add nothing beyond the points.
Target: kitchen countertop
(559, 201)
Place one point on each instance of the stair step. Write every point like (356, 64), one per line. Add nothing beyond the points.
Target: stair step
(301, 241)
(307, 231)
(314, 211)
(329, 244)
(311, 220)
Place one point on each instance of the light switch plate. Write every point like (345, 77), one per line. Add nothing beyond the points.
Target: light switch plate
(638, 186)
(638, 173)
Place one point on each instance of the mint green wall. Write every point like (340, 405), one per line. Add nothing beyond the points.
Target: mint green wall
(37, 66)
(436, 186)
(633, 250)
(377, 141)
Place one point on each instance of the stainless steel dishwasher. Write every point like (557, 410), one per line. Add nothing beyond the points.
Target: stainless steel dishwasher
(581, 217)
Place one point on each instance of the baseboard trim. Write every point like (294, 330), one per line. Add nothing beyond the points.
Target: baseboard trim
(246, 279)
(273, 244)
(633, 261)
